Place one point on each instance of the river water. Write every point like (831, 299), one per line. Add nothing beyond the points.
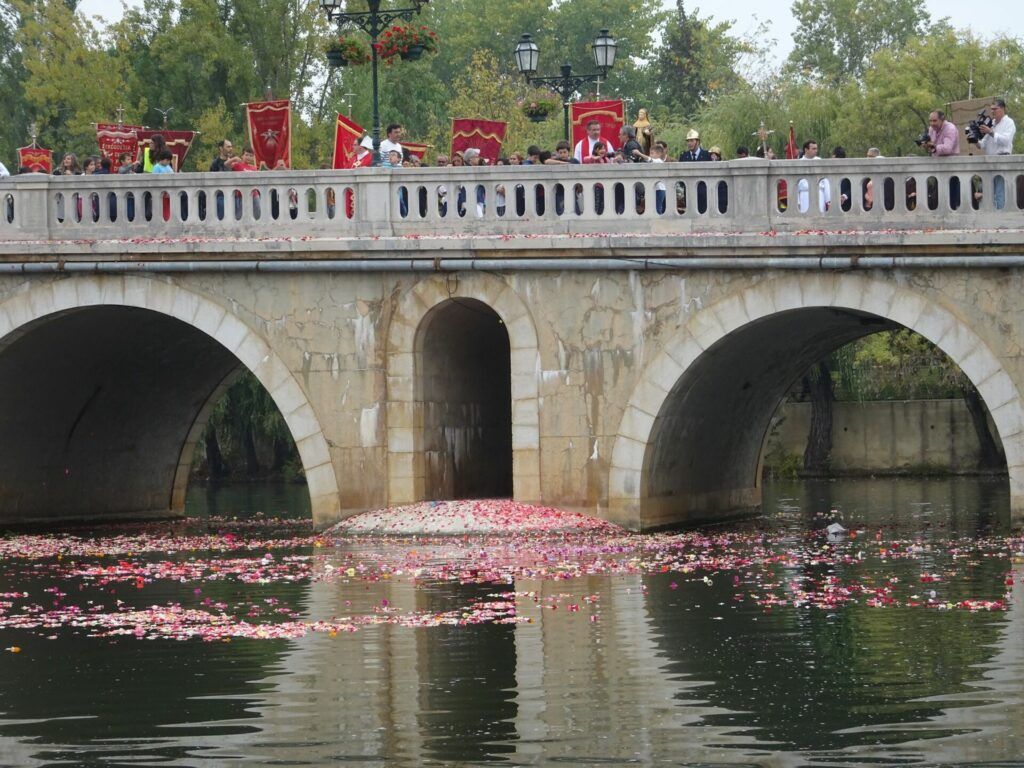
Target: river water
(727, 666)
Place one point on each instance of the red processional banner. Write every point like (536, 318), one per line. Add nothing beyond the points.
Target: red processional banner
(419, 150)
(347, 133)
(114, 140)
(608, 113)
(792, 151)
(270, 131)
(485, 135)
(36, 159)
(179, 142)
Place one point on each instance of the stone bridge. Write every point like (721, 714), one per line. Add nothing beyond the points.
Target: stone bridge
(614, 339)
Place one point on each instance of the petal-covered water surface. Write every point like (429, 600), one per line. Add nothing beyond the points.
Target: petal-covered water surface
(856, 620)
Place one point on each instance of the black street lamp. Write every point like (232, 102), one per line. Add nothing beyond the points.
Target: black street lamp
(372, 21)
(566, 84)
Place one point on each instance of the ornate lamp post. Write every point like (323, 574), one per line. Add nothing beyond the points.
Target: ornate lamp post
(566, 84)
(372, 21)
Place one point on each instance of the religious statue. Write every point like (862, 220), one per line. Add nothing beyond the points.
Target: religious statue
(644, 131)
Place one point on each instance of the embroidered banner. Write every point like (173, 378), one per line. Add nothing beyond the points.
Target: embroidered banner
(485, 135)
(114, 140)
(270, 132)
(179, 142)
(37, 159)
(416, 149)
(608, 113)
(347, 133)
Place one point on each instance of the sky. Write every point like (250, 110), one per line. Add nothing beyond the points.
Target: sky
(985, 19)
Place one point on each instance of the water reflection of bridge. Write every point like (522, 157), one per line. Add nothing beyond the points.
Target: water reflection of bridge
(651, 681)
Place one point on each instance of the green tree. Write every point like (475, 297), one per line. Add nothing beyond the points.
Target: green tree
(14, 129)
(835, 39)
(71, 79)
(732, 118)
(696, 62)
(246, 424)
(890, 105)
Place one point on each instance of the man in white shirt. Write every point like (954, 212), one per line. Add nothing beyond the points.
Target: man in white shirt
(391, 143)
(803, 188)
(585, 146)
(998, 140)
(4, 171)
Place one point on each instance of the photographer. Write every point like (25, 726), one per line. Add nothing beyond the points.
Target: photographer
(997, 139)
(943, 141)
(943, 137)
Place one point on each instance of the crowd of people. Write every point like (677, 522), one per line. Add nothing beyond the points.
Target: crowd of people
(636, 143)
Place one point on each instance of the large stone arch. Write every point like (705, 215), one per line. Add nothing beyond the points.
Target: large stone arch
(36, 303)
(406, 471)
(854, 294)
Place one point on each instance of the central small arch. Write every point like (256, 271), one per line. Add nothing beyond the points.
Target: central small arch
(464, 382)
(464, 305)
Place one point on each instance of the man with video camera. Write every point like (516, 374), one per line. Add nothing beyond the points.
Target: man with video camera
(997, 139)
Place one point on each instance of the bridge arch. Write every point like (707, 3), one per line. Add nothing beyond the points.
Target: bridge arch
(407, 471)
(67, 308)
(717, 381)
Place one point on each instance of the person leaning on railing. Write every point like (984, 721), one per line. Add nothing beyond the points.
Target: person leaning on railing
(943, 141)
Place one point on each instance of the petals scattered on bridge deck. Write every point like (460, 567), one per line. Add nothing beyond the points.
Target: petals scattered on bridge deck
(476, 516)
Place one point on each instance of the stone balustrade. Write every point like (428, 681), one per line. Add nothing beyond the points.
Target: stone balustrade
(741, 196)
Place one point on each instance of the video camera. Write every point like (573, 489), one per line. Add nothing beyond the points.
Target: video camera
(923, 139)
(973, 129)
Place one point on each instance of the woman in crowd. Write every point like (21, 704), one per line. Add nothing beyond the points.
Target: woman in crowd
(69, 166)
(157, 146)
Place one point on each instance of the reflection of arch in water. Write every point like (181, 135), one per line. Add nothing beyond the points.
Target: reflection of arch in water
(689, 442)
(108, 382)
(802, 679)
(417, 310)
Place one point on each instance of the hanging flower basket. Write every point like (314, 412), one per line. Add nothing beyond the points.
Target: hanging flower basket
(347, 51)
(537, 106)
(408, 43)
(412, 53)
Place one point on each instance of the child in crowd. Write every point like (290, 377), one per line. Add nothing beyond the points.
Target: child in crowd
(598, 154)
(245, 163)
(163, 162)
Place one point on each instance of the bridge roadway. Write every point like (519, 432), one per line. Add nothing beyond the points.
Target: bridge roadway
(555, 334)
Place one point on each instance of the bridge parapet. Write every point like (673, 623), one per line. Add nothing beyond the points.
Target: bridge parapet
(737, 197)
